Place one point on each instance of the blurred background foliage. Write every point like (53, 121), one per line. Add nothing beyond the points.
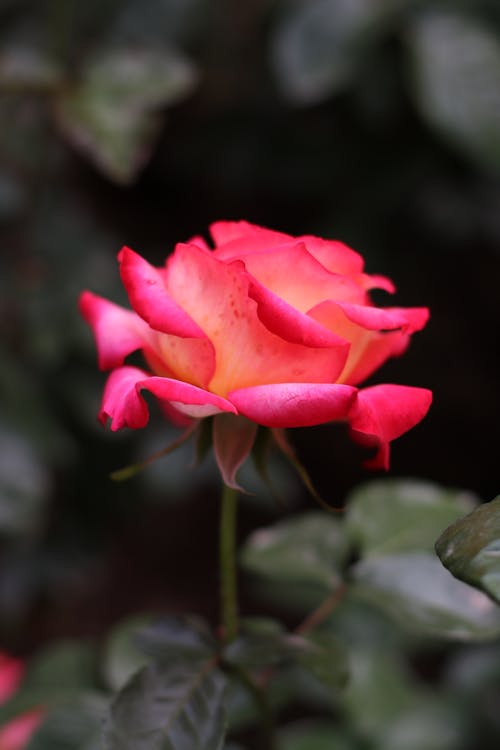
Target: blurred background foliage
(140, 121)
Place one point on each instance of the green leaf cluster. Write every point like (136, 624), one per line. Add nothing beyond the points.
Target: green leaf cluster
(378, 596)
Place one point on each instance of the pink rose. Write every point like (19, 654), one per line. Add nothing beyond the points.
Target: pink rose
(276, 328)
(16, 733)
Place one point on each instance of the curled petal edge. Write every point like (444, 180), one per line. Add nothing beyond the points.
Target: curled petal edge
(287, 322)
(148, 295)
(409, 320)
(118, 332)
(124, 404)
(383, 413)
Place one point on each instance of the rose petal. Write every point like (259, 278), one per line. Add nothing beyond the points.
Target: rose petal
(16, 733)
(410, 319)
(200, 242)
(376, 281)
(290, 324)
(216, 295)
(294, 404)
(149, 297)
(384, 412)
(369, 349)
(372, 353)
(292, 273)
(233, 237)
(11, 674)
(334, 255)
(191, 360)
(233, 438)
(118, 332)
(123, 404)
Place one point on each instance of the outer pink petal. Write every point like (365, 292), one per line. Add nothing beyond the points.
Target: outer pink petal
(234, 237)
(118, 332)
(149, 297)
(123, 404)
(416, 317)
(293, 274)
(376, 281)
(11, 674)
(200, 242)
(383, 413)
(334, 255)
(216, 295)
(374, 351)
(339, 258)
(369, 348)
(410, 319)
(16, 734)
(294, 404)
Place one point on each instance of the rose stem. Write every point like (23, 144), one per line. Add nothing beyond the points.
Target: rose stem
(227, 562)
(321, 613)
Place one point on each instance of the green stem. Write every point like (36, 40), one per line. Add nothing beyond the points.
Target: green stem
(227, 562)
(321, 613)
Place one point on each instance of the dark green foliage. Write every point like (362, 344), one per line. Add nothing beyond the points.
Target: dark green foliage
(470, 548)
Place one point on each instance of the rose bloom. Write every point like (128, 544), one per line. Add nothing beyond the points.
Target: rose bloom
(16, 733)
(278, 329)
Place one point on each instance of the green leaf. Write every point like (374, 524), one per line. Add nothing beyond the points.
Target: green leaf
(426, 725)
(388, 516)
(320, 44)
(313, 735)
(122, 657)
(310, 548)
(457, 81)
(470, 548)
(422, 595)
(261, 642)
(74, 726)
(324, 657)
(233, 440)
(138, 640)
(54, 677)
(110, 115)
(359, 624)
(320, 655)
(183, 638)
(169, 707)
(378, 691)
(387, 705)
(69, 665)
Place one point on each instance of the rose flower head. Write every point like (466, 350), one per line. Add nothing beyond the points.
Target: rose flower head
(277, 329)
